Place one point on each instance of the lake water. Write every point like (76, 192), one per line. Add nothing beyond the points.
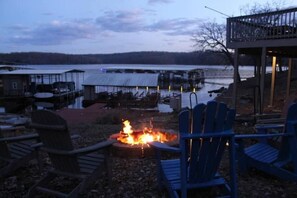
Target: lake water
(215, 78)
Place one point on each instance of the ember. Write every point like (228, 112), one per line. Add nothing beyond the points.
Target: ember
(128, 136)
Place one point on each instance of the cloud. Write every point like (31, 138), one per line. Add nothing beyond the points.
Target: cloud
(133, 21)
(121, 21)
(55, 32)
(59, 32)
(47, 14)
(159, 1)
(175, 26)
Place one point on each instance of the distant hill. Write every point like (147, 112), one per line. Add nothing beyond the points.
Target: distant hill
(179, 58)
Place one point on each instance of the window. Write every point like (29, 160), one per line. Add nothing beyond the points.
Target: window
(14, 85)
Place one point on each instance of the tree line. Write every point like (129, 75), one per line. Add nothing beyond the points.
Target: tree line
(179, 58)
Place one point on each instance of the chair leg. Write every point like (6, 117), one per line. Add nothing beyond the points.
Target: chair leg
(39, 160)
(108, 167)
(46, 179)
(240, 157)
(109, 172)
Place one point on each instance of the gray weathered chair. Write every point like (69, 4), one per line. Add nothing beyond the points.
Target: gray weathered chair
(85, 164)
(16, 151)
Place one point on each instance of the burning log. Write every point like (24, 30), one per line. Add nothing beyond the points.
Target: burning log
(129, 139)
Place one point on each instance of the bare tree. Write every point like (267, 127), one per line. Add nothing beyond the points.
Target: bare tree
(257, 8)
(212, 35)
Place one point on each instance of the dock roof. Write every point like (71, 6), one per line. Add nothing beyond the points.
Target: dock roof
(39, 72)
(185, 68)
(122, 80)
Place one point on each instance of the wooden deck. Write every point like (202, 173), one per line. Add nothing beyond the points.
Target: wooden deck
(272, 30)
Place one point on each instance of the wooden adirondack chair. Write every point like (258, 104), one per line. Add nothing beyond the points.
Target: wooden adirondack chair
(200, 151)
(85, 164)
(268, 157)
(16, 151)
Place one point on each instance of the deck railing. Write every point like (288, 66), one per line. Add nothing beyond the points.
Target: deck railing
(266, 26)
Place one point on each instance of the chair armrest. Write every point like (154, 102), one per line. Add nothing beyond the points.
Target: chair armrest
(164, 147)
(37, 145)
(226, 133)
(48, 127)
(267, 116)
(95, 147)
(81, 151)
(251, 136)
(40, 144)
(75, 136)
(19, 138)
(271, 120)
(12, 128)
(269, 126)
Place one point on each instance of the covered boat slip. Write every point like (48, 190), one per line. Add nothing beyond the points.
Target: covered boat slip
(166, 73)
(130, 90)
(26, 82)
(150, 68)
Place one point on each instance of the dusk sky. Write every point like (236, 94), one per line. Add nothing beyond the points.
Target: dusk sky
(109, 26)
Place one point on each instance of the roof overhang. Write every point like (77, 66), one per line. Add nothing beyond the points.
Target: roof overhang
(39, 72)
(122, 80)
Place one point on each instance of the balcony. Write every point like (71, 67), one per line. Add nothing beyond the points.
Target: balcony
(272, 29)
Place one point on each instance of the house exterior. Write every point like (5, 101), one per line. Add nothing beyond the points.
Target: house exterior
(14, 85)
(270, 35)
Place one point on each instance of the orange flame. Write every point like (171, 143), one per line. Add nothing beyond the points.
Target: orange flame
(129, 136)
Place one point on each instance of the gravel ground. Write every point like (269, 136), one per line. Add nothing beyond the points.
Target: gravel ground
(136, 177)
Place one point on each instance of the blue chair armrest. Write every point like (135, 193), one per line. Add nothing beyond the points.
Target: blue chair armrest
(226, 133)
(250, 136)
(269, 126)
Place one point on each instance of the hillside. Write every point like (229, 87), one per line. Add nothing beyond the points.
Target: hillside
(179, 58)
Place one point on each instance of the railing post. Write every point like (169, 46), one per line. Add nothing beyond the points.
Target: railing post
(235, 78)
(228, 32)
(272, 80)
(262, 80)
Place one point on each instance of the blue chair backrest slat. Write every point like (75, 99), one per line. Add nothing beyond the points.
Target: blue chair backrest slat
(220, 117)
(285, 150)
(197, 116)
(210, 120)
(184, 121)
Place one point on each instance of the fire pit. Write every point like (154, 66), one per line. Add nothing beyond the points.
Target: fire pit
(135, 143)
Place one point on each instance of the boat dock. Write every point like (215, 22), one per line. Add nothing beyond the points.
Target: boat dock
(37, 85)
(185, 74)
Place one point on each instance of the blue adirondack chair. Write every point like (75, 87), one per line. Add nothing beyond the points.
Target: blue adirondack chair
(268, 157)
(202, 144)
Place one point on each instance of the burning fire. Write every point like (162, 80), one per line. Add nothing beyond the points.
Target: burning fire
(128, 136)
